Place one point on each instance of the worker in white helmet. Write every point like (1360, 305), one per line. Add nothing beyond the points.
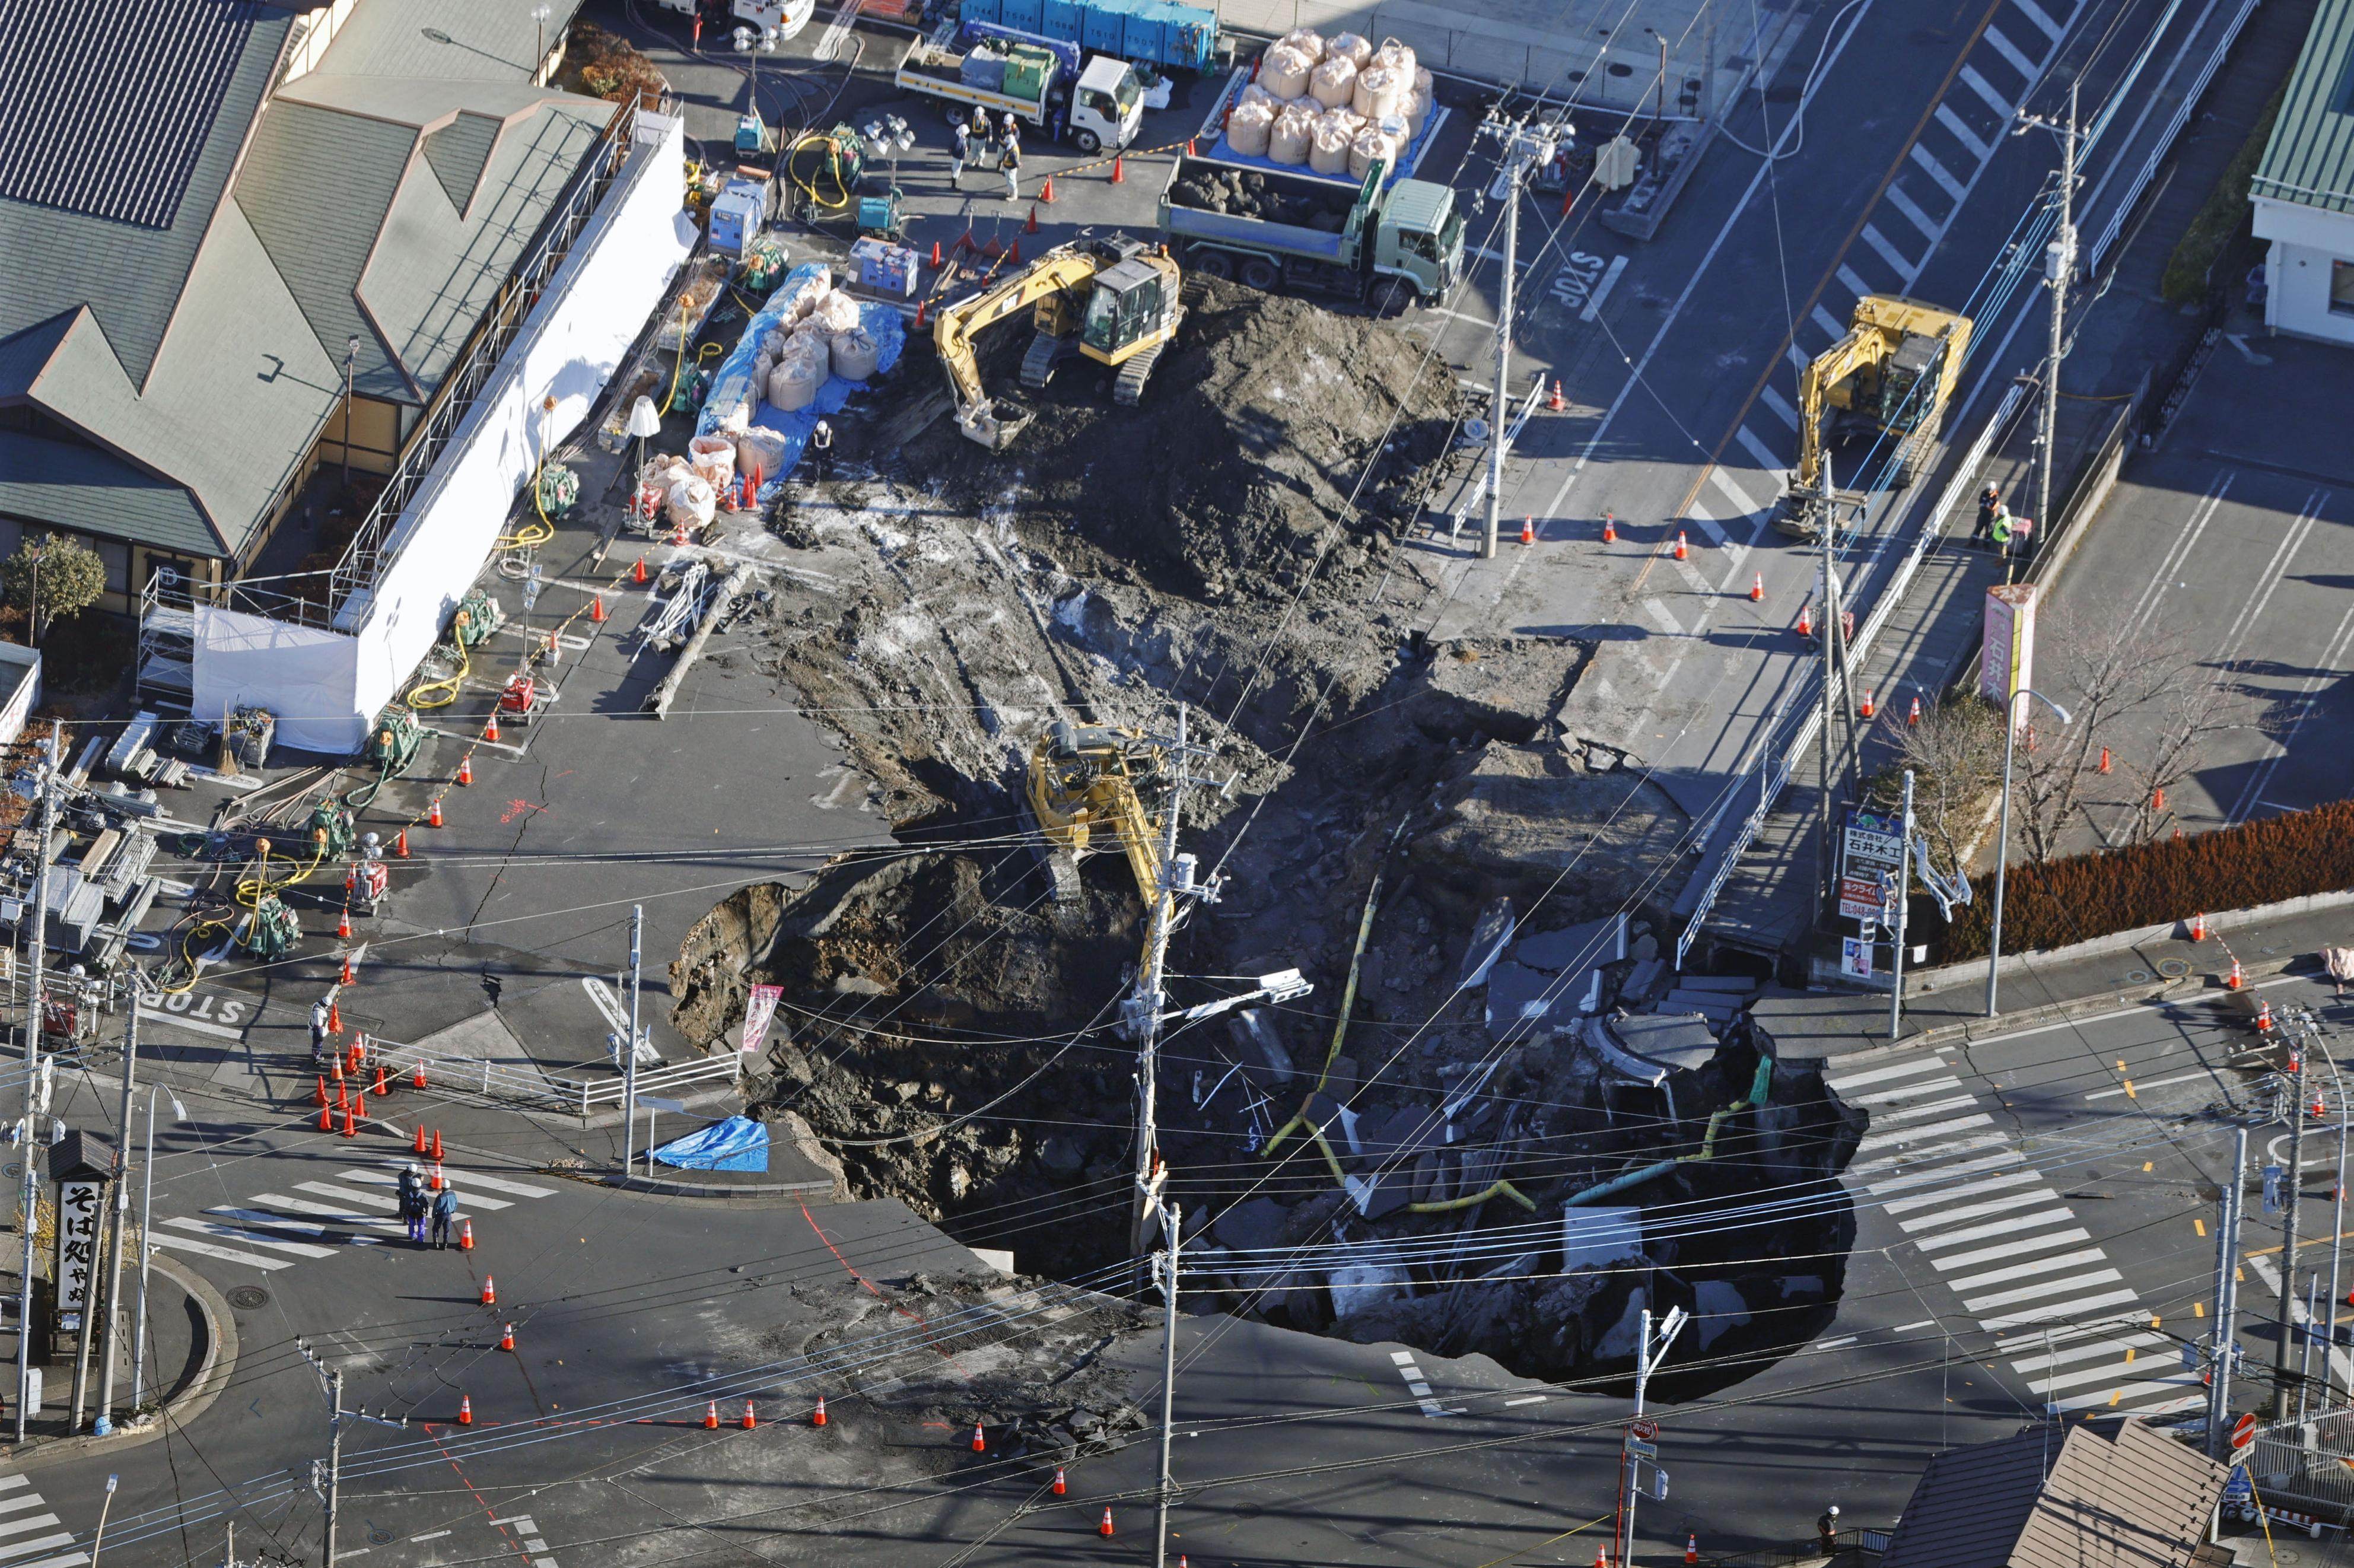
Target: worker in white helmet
(821, 446)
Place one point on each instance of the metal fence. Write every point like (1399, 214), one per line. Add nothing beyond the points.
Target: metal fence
(2307, 1465)
(1849, 1549)
(575, 1094)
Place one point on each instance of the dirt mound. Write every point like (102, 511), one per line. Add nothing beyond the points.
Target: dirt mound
(1263, 421)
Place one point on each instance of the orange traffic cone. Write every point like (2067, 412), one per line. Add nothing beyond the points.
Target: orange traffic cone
(319, 1097)
(2199, 928)
(465, 1410)
(1609, 527)
(1806, 621)
(2158, 800)
(466, 768)
(1692, 1550)
(1014, 252)
(1757, 588)
(1046, 193)
(506, 1338)
(749, 1422)
(936, 255)
(1601, 1557)
(335, 1016)
(1118, 174)
(1104, 1528)
(382, 1086)
(2234, 980)
(711, 1416)
(1912, 716)
(437, 1146)
(1060, 1486)
(2104, 759)
(417, 1081)
(2318, 1109)
(489, 1292)
(817, 1416)
(638, 572)
(1682, 553)
(1189, 148)
(433, 1178)
(2265, 1014)
(343, 925)
(351, 1122)
(1556, 403)
(1869, 708)
(347, 969)
(596, 607)
(1528, 530)
(400, 844)
(923, 313)
(419, 1146)
(466, 1235)
(491, 725)
(433, 817)
(978, 1446)
(327, 1118)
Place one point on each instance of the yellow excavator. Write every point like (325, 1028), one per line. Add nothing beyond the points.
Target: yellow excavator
(1085, 781)
(1892, 373)
(1114, 301)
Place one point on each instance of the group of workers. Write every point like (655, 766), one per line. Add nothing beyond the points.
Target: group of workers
(1997, 523)
(978, 142)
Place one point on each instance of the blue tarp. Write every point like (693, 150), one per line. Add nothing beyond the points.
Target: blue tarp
(739, 1143)
(881, 322)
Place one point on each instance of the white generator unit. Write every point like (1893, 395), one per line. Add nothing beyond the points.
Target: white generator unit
(736, 217)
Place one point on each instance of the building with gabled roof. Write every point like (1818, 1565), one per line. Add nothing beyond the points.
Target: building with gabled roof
(2304, 188)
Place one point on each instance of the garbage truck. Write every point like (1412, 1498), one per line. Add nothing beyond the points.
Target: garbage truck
(1392, 247)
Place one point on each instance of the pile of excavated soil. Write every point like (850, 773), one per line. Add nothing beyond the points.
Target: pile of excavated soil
(1266, 421)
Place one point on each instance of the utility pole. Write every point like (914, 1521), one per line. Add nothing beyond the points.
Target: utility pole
(2058, 270)
(1145, 1008)
(112, 1322)
(1827, 857)
(1632, 1451)
(1904, 890)
(2289, 1195)
(1166, 1262)
(335, 1456)
(630, 1047)
(146, 1215)
(2227, 1300)
(29, 1193)
(1526, 148)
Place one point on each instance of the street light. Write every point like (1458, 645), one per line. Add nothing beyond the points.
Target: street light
(99, 1536)
(539, 61)
(146, 1212)
(351, 357)
(2002, 840)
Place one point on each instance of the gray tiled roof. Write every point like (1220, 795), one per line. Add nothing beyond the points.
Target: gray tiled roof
(80, 488)
(479, 40)
(457, 152)
(22, 356)
(2310, 158)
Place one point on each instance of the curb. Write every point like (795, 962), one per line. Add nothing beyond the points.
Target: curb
(805, 1190)
(183, 1404)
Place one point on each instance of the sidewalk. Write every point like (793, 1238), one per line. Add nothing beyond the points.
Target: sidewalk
(192, 1346)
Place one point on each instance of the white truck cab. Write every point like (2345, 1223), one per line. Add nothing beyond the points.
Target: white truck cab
(1107, 106)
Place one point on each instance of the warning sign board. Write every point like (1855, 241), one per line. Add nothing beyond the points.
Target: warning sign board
(1859, 898)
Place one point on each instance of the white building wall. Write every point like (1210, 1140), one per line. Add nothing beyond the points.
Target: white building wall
(2306, 243)
(570, 347)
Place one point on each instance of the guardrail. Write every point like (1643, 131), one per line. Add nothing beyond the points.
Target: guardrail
(2158, 153)
(1865, 1542)
(2304, 1465)
(530, 1085)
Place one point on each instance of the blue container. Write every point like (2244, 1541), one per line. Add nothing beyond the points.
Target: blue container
(1189, 36)
(1102, 27)
(1141, 32)
(1060, 19)
(979, 11)
(1022, 13)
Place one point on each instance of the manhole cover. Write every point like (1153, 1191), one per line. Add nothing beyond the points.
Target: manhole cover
(379, 1538)
(248, 1297)
(2137, 977)
(2173, 968)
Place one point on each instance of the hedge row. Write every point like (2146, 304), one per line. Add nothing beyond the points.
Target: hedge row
(2089, 895)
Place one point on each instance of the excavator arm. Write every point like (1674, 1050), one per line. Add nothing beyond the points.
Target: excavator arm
(1083, 780)
(1059, 270)
(1820, 388)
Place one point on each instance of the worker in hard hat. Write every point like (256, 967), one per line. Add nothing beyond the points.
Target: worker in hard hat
(1827, 1530)
(821, 446)
(1990, 502)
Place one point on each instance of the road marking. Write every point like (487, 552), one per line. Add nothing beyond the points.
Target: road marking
(2193, 526)
(392, 1205)
(1840, 1343)
(1692, 579)
(2076, 1259)
(1945, 1194)
(195, 1025)
(1796, 355)
(2275, 571)
(2108, 1372)
(17, 1526)
(1978, 151)
(1985, 89)
(1914, 1113)
(2034, 13)
(1829, 322)
(1853, 280)
(429, 1535)
(1416, 1386)
(1658, 612)
(1907, 270)
(44, 1543)
(2152, 1084)
(1734, 493)
(496, 1184)
(2052, 1311)
(1602, 289)
(1779, 405)
(2131, 1390)
(227, 1255)
(2030, 1365)
(2325, 670)
(346, 1219)
(1881, 1074)
(2002, 1227)
(1767, 457)
(1914, 1134)
(1980, 1210)
(1914, 215)
(520, 1521)
(250, 1237)
(1881, 1096)
(1936, 171)
(2011, 52)
(1525, 1399)
(2020, 1247)
(1914, 1161)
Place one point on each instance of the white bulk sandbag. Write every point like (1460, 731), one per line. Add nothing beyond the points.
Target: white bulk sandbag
(1396, 128)
(1284, 72)
(1369, 146)
(1328, 151)
(1380, 92)
(1287, 142)
(795, 383)
(1255, 94)
(1396, 56)
(836, 312)
(1332, 83)
(772, 342)
(1247, 129)
(854, 354)
(761, 451)
(691, 503)
(713, 459)
(1307, 40)
(1415, 113)
(1351, 46)
(801, 295)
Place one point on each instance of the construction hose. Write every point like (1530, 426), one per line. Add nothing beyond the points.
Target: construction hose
(249, 889)
(446, 687)
(833, 166)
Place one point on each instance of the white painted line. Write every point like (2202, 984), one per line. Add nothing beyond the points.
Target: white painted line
(1904, 268)
(496, 1184)
(1828, 323)
(1779, 405)
(1948, 1194)
(1602, 289)
(1977, 150)
(2027, 1366)
(2049, 1288)
(1853, 280)
(1843, 1340)
(29, 1499)
(2119, 1396)
(1767, 457)
(1985, 89)
(391, 1204)
(1525, 1399)
(430, 1535)
(1420, 1390)
(1908, 1328)
(195, 1025)
(2010, 51)
(250, 1238)
(1734, 493)
(268, 1220)
(2076, 1259)
(346, 1219)
(2018, 1248)
(1973, 1212)
(10, 1483)
(30, 1521)
(2010, 1226)
(1847, 1081)
(1692, 579)
(1893, 1115)
(1403, 1358)
(44, 1543)
(520, 1521)
(535, 1545)
(324, 1190)
(1913, 213)
(1708, 526)
(225, 1255)
(2057, 1310)
(1460, 316)
(2109, 1374)
(1882, 1096)
(1914, 1134)
(1917, 1161)
(2153, 1083)
(1797, 356)
(1938, 173)
(2034, 13)
(75, 1560)
(1658, 612)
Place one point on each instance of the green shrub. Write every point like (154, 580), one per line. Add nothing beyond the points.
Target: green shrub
(2215, 223)
(68, 573)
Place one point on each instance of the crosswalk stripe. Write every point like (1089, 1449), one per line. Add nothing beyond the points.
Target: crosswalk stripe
(496, 1184)
(1894, 1116)
(1970, 1168)
(2027, 1270)
(1779, 405)
(1960, 132)
(1911, 211)
(67, 1559)
(1917, 1160)
(1938, 173)
(1985, 89)
(2027, 1366)
(1797, 356)
(476, 1199)
(2055, 1310)
(2188, 1402)
(27, 1548)
(1923, 1226)
(250, 1238)
(227, 1255)
(2035, 14)
(1903, 1135)
(268, 1219)
(1853, 281)
(2130, 1391)
(10, 1483)
(1767, 457)
(2018, 1248)
(2109, 1374)
(2008, 1226)
(30, 1521)
(30, 1499)
(1897, 261)
(2013, 1297)
(1882, 1096)
(2045, 1335)
(1742, 502)
(2011, 52)
(1847, 1081)
(1829, 324)
(348, 1219)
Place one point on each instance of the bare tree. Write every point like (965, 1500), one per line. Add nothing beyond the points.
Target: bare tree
(2186, 714)
(1955, 755)
(2104, 670)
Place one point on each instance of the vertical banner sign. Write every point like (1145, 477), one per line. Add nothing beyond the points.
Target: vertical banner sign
(2007, 659)
(757, 1013)
(1873, 848)
(78, 1210)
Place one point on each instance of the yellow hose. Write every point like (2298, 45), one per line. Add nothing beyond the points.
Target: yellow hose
(833, 166)
(249, 889)
(447, 687)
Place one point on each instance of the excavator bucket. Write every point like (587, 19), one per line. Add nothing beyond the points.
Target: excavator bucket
(991, 426)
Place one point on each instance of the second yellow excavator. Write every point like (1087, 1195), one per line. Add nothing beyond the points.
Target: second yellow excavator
(1114, 301)
(1084, 782)
(1892, 373)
